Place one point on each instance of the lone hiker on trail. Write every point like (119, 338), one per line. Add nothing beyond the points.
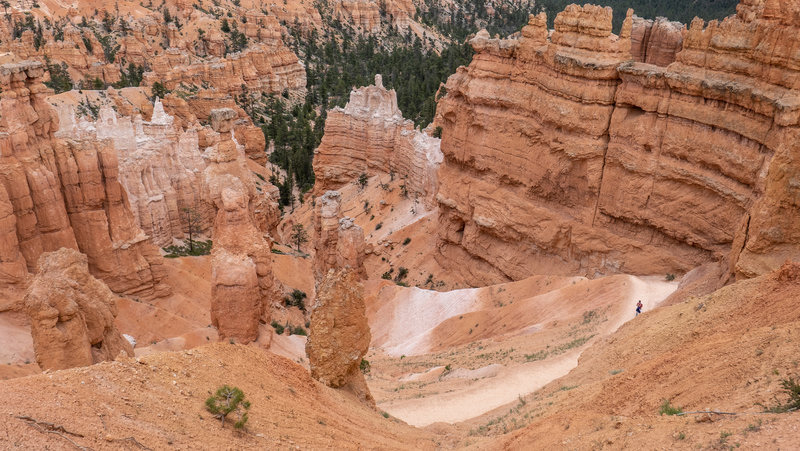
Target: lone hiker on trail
(638, 307)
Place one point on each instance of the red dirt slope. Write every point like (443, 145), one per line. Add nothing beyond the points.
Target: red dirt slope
(728, 351)
(158, 400)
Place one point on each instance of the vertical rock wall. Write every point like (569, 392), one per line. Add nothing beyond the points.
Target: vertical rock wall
(564, 155)
(64, 193)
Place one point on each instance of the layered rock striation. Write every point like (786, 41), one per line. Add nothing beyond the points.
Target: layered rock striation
(339, 335)
(64, 193)
(259, 68)
(564, 155)
(369, 135)
(72, 314)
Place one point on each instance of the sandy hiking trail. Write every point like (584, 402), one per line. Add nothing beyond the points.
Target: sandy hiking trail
(617, 296)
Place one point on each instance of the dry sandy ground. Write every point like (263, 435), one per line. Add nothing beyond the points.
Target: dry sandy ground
(514, 324)
(727, 351)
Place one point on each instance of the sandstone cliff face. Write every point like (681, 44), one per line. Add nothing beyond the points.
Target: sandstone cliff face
(369, 136)
(160, 167)
(65, 193)
(562, 155)
(339, 335)
(242, 281)
(260, 68)
(72, 314)
(338, 241)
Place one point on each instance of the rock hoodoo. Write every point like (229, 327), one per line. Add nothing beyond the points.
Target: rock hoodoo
(72, 314)
(339, 335)
(592, 163)
(656, 41)
(369, 135)
(64, 193)
(160, 167)
(338, 241)
(242, 281)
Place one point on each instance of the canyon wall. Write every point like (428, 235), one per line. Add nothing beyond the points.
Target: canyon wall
(369, 135)
(564, 155)
(64, 193)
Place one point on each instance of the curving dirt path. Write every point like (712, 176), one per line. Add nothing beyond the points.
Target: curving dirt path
(618, 296)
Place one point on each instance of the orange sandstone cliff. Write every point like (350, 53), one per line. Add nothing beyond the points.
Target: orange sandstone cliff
(369, 135)
(64, 193)
(563, 155)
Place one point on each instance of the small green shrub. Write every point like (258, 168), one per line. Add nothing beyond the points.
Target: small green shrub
(362, 180)
(364, 366)
(298, 330)
(278, 327)
(402, 272)
(669, 409)
(670, 277)
(437, 132)
(406, 241)
(378, 226)
(388, 274)
(297, 299)
(226, 401)
(792, 389)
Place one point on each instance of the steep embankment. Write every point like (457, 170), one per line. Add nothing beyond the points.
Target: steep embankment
(726, 351)
(158, 402)
(564, 156)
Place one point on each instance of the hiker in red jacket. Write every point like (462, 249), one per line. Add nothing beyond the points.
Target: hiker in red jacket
(638, 307)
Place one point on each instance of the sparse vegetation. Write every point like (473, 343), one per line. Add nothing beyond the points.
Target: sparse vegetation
(668, 409)
(362, 180)
(406, 241)
(278, 327)
(299, 236)
(229, 401)
(191, 248)
(791, 389)
(670, 277)
(364, 366)
(297, 299)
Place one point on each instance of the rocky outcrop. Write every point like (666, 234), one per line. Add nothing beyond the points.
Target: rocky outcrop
(369, 135)
(656, 42)
(261, 68)
(160, 168)
(65, 193)
(338, 241)
(339, 335)
(242, 281)
(563, 155)
(72, 314)
(363, 15)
